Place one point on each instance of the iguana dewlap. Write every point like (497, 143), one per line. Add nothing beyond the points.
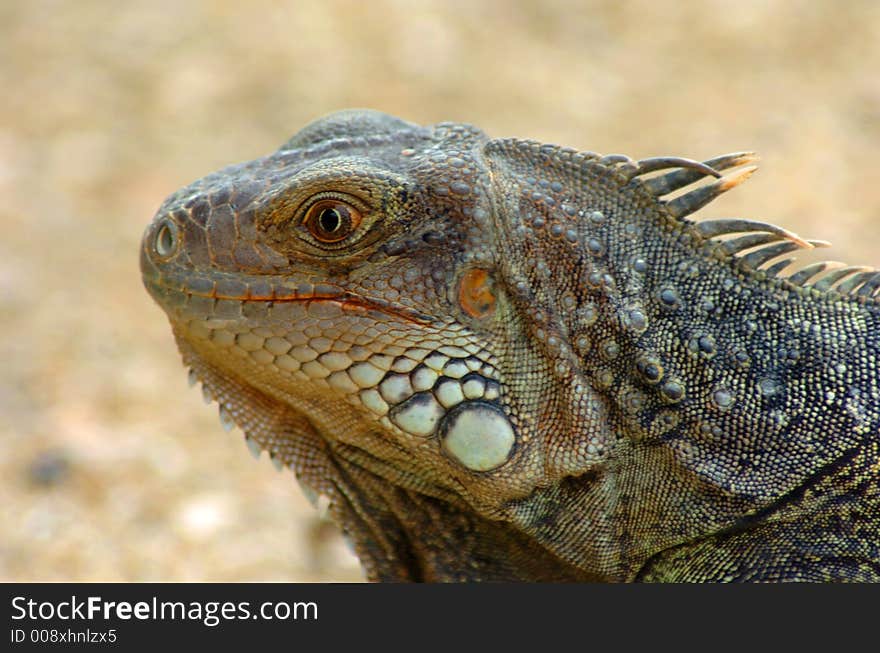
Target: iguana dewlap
(502, 360)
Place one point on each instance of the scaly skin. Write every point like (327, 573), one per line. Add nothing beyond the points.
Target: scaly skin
(501, 360)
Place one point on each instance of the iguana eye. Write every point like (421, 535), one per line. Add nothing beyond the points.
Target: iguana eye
(331, 220)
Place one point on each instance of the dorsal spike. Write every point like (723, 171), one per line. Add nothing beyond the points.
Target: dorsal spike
(869, 288)
(723, 226)
(779, 266)
(757, 258)
(678, 179)
(737, 245)
(699, 197)
(644, 166)
(849, 285)
(833, 276)
(806, 273)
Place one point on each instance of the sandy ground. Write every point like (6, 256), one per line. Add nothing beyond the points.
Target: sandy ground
(111, 468)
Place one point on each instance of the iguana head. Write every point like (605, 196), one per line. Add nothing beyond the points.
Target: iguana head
(439, 332)
(337, 299)
(346, 278)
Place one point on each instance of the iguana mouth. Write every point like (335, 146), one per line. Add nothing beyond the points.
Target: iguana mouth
(274, 290)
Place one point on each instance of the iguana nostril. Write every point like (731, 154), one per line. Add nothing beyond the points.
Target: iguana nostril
(166, 239)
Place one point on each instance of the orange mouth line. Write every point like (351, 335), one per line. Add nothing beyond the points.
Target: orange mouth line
(347, 302)
(269, 291)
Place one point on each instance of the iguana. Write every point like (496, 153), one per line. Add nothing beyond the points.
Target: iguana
(496, 359)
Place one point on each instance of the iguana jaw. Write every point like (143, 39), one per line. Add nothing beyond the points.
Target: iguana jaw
(171, 288)
(395, 373)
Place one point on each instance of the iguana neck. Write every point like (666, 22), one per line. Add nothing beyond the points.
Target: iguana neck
(683, 367)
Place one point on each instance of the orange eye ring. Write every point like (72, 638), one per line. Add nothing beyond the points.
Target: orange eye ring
(331, 220)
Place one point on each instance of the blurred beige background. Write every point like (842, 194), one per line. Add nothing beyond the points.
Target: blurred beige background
(112, 469)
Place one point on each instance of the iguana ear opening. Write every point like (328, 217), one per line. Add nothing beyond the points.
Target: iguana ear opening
(476, 297)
